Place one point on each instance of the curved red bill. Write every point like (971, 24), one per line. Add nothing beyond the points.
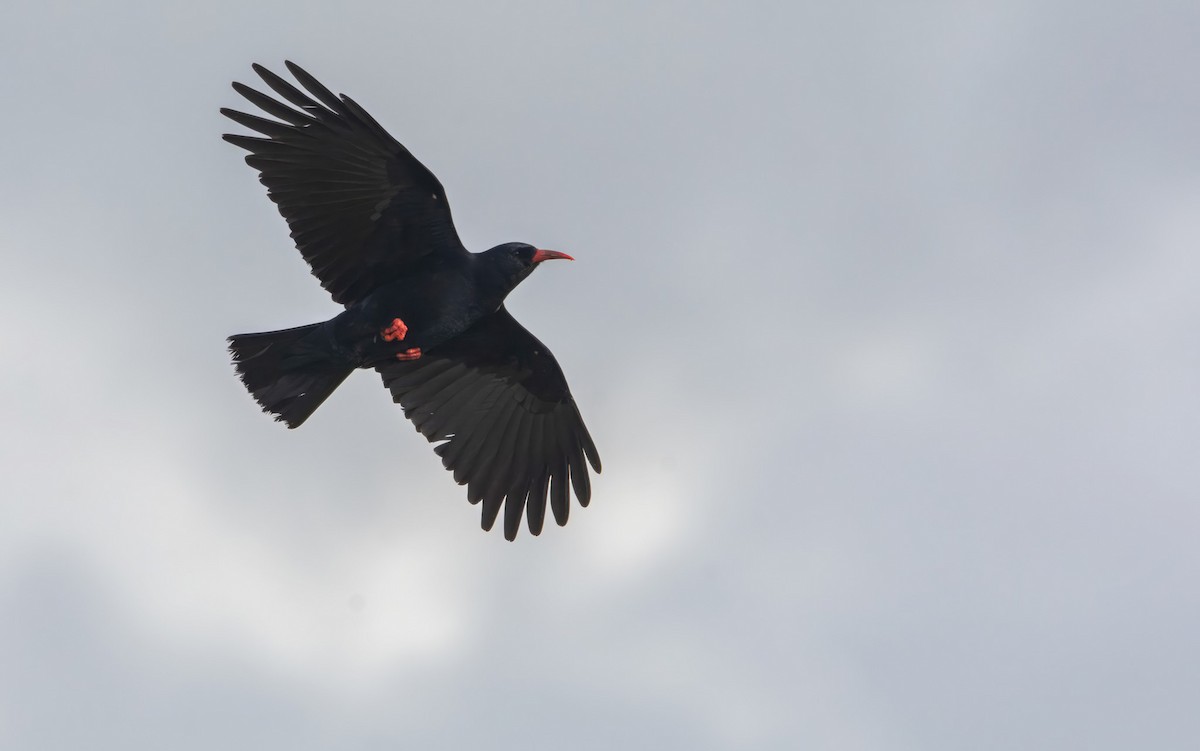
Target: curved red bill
(549, 255)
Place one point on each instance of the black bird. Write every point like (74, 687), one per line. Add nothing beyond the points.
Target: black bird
(374, 225)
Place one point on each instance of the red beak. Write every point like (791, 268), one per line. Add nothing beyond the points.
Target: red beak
(550, 255)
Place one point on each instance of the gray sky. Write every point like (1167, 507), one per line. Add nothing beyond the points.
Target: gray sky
(884, 320)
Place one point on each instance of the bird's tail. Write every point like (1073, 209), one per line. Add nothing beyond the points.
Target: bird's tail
(289, 372)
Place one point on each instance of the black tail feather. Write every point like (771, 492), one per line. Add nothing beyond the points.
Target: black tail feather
(289, 372)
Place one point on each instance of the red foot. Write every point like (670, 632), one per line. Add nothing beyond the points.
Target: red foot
(413, 353)
(396, 332)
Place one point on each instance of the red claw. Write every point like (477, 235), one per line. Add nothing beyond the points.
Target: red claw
(396, 332)
(413, 353)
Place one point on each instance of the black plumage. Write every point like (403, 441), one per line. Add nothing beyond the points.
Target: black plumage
(374, 225)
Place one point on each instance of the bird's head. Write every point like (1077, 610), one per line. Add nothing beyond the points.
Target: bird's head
(512, 262)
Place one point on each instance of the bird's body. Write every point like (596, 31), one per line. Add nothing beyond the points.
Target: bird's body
(438, 299)
(428, 315)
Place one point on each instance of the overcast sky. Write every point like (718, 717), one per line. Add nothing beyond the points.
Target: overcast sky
(884, 319)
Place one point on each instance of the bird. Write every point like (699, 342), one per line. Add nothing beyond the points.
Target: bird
(374, 225)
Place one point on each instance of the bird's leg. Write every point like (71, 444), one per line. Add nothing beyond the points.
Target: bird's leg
(395, 332)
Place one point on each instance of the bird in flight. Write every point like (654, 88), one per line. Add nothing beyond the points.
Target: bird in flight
(374, 225)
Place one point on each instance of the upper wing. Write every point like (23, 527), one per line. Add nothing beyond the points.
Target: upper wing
(359, 205)
(511, 430)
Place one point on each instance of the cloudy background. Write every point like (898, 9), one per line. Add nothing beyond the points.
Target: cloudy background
(885, 321)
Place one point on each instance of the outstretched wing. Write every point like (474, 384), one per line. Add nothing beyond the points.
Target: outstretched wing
(360, 206)
(497, 404)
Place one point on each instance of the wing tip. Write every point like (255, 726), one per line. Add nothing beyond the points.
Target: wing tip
(241, 141)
